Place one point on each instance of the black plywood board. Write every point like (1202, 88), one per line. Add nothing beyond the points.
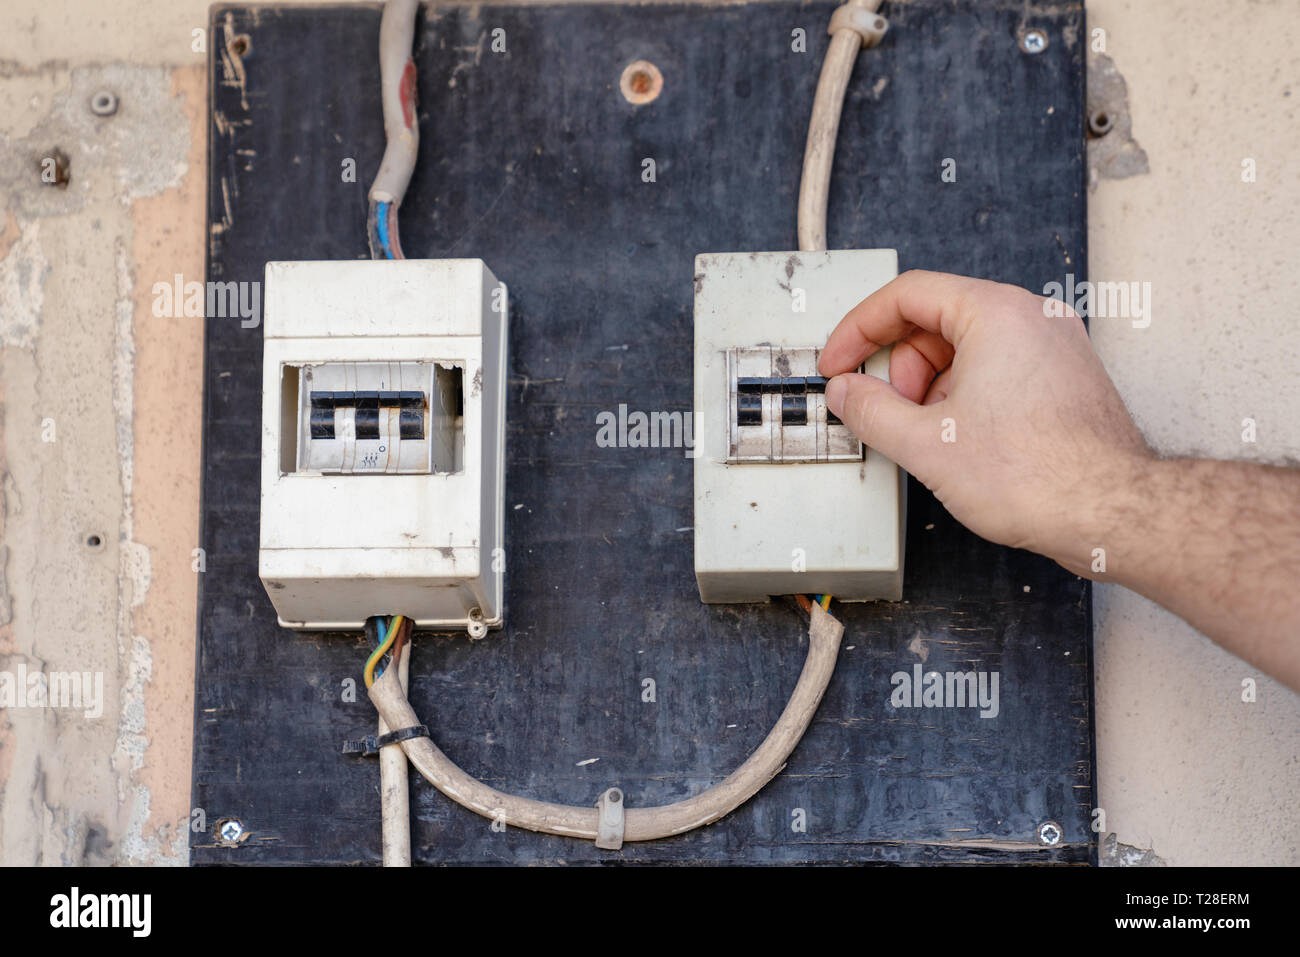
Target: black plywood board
(531, 160)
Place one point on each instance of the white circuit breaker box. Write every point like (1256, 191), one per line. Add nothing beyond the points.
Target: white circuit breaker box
(787, 500)
(383, 439)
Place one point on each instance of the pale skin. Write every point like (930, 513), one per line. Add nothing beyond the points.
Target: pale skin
(1046, 457)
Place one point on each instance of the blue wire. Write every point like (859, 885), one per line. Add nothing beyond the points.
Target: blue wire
(385, 624)
(381, 215)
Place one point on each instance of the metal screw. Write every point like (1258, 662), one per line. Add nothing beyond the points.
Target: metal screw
(1033, 41)
(476, 627)
(231, 830)
(1049, 832)
(104, 103)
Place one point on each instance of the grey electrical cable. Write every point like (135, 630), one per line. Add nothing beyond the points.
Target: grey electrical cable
(852, 27)
(394, 787)
(641, 824)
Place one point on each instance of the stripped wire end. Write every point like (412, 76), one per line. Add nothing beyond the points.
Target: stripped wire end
(403, 636)
(381, 230)
(389, 637)
(806, 604)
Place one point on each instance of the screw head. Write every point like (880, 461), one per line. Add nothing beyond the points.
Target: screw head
(231, 830)
(104, 103)
(476, 626)
(1049, 833)
(1033, 41)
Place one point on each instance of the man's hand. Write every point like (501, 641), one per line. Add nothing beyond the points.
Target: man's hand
(999, 405)
(1005, 414)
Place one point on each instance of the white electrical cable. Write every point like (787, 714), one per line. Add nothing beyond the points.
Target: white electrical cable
(853, 26)
(640, 824)
(394, 788)
(401, 128)
(397, 78)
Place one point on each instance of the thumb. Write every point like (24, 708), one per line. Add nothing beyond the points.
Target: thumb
(877, 414)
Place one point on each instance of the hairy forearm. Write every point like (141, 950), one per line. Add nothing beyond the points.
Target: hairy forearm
(1217, 543)
(1001, 407)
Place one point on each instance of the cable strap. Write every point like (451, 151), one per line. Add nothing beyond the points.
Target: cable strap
(371, 744)
(867, 24)
(609, 833)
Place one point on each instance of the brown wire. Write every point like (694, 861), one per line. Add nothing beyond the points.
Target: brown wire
(403, 633)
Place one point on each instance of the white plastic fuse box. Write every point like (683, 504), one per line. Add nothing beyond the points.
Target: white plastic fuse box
(787, 500)
(383, 431)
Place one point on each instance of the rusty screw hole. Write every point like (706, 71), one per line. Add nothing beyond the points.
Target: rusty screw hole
(239, 45)
(641, 82)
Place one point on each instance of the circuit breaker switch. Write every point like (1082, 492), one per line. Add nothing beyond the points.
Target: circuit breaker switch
(787, 499)
(357, 423)
(749, 409)
(793, 425)
(794, 410)
(383, 443)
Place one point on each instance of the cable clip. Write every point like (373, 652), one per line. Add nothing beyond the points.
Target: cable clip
(866, 23)
(609, 830)
(371, 744)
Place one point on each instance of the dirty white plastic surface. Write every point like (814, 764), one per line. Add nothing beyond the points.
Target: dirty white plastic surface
(348, 530)
(767, 528)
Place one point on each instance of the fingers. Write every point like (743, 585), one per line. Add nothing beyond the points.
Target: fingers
(934, 302)
(916, 361)
(881, 418)
(940, 388)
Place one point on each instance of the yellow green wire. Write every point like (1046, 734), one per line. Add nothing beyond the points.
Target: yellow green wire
(826, 602)
(382, 650)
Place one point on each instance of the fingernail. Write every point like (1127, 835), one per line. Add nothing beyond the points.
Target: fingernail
(835, 390)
